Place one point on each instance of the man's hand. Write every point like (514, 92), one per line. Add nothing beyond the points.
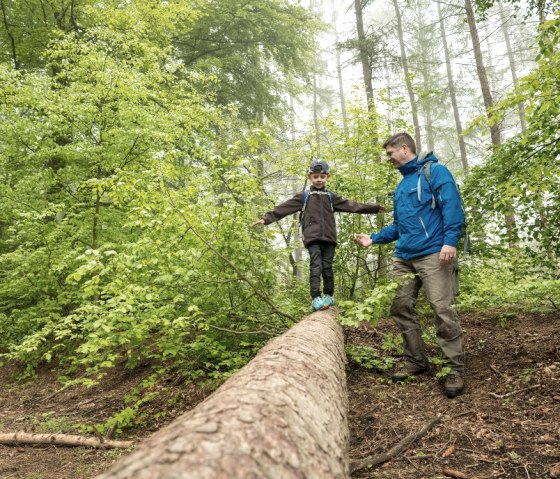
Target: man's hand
(363, 240)
(447, 254)
(258, 222)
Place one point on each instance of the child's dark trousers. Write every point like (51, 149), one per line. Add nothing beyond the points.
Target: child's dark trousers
(321, 256)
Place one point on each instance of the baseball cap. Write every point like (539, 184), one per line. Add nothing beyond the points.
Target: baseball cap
(319, 166)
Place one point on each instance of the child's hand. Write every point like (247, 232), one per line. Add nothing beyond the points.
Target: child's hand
(258, 222)
(363, 240)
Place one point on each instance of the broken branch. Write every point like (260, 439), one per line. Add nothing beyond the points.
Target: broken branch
(397, 449)
(17, 438)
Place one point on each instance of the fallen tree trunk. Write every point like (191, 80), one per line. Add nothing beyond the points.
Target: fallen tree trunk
(284, 415)
(16, 438)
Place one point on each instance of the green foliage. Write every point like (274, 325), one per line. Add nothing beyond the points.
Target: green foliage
(257, 51)
(374, 306)
(127, 199)
(519, 180)
(369, 358)
(50, 424)
(502, 282)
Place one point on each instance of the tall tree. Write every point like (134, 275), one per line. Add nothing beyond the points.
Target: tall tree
(341, 94)
(481, 72)
(512, 62)
(407, 78)
(452, 92)
(363, 52)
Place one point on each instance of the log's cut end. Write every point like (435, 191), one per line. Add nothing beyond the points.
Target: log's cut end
(283, 415)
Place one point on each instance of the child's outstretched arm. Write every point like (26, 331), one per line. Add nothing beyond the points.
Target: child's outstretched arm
(293, 205)
(348, 206)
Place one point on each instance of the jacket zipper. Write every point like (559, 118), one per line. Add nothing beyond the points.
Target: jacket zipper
(424, 227)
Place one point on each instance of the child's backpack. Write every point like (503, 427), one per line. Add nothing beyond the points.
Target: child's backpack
(306, 195)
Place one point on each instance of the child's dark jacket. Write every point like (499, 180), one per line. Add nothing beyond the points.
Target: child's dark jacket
(318, 221)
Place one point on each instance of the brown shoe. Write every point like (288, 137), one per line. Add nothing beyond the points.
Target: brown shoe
(406, 371)
(454, 385)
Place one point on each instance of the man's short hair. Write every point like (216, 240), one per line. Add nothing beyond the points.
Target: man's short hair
(399, 139)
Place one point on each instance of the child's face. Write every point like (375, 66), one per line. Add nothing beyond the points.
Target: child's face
(318, 180)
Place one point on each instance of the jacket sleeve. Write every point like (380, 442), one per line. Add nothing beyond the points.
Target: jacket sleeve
(448, 202)
(291, 206)
(388, 234)
(347, 206)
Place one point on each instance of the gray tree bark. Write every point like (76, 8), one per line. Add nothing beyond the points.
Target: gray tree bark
(512, 64)
(453, 94)
(341, 95)
(481, 71)
(364, 59)
(408, 81)
(283, 415)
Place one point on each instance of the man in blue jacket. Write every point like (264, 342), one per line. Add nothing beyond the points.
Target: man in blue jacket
(428, 219)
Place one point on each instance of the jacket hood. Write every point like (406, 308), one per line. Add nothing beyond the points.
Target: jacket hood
(417, 162)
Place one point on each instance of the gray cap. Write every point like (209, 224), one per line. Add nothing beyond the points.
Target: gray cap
(319, 166)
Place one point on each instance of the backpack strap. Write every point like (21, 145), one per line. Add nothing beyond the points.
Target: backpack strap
(306, 195)
(426, 170)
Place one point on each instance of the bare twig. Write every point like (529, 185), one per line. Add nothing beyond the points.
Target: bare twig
(513, 393)
(267, 333)
(396, 399)
(397, 449)
(497, 371)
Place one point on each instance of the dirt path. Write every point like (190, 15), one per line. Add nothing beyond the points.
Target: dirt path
(506, 425)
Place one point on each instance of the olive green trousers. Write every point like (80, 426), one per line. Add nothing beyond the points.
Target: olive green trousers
(438, 282)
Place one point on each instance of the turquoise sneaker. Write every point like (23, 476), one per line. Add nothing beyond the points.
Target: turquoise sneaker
(317, 303)
(328, 300)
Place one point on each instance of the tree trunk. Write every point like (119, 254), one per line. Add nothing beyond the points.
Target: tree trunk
(453, 94)
(408, 81)
(284, 415)
(366, 67)
(512, 65)
(10, 35)
(339, 75)
(481, 71)
(509, 217)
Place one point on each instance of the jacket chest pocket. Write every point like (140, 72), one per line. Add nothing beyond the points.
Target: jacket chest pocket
(409, 203)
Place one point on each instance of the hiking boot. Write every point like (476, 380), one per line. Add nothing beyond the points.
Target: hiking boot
(317, 304)
(328, 300)
(454, 385)
(406, 371)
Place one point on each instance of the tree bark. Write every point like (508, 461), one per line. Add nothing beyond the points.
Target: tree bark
(453, 94)
(341, 95)
(481, 71)
(512, 64)
(283, 415)
(408, 81)
(366, 67)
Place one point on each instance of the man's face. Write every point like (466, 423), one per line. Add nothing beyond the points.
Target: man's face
(318, 180)
(398, 155)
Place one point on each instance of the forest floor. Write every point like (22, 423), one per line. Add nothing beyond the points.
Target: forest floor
(505, 425)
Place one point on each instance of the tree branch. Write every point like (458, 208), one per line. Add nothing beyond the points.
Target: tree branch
(17, 438)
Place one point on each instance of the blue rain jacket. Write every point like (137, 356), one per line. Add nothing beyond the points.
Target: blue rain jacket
(418, 228)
